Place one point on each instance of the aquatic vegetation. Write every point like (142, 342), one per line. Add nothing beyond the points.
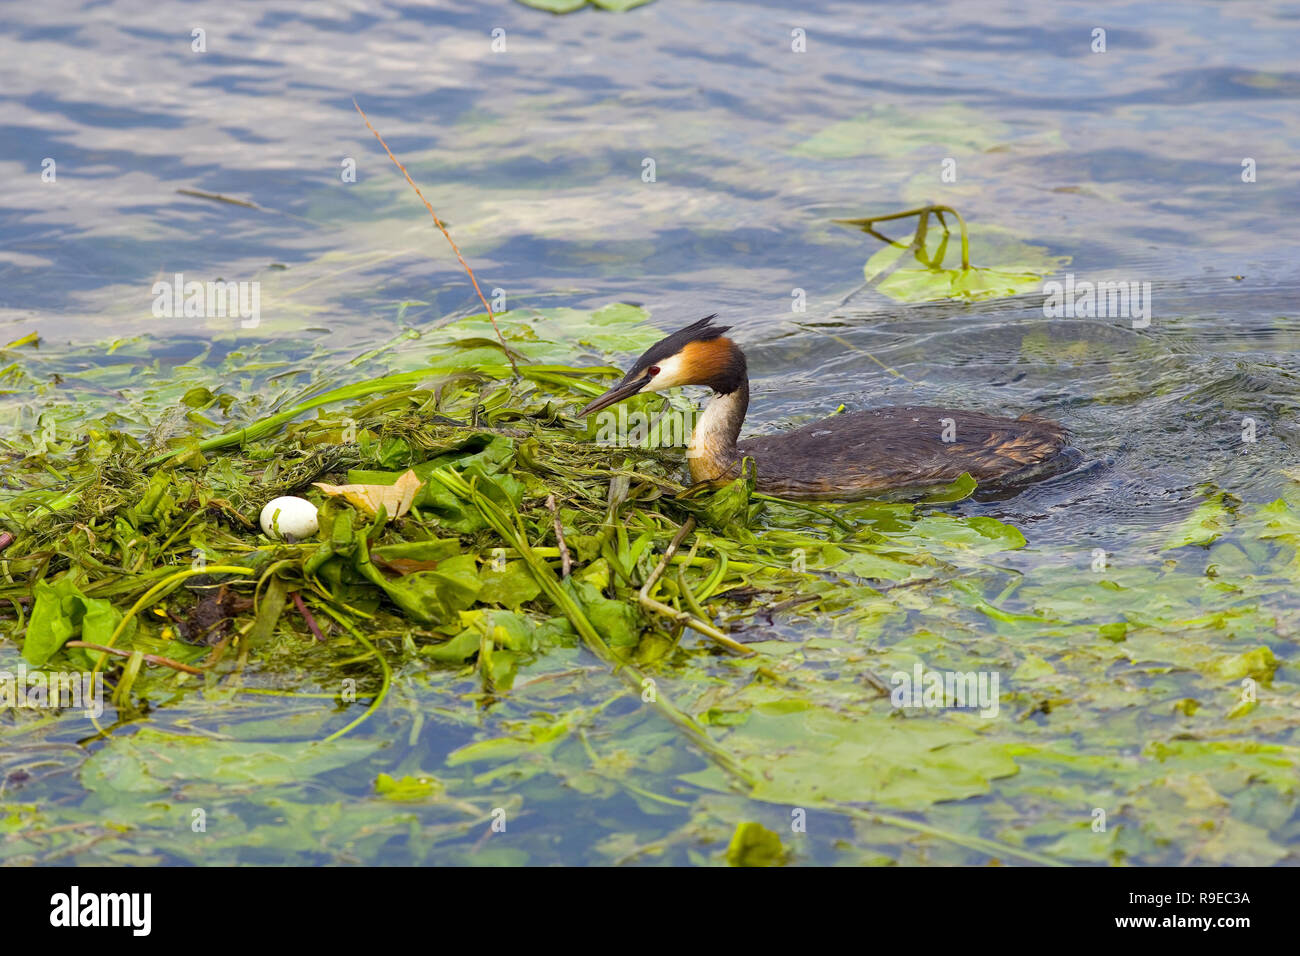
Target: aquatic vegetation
(918, 271)
(581, 626)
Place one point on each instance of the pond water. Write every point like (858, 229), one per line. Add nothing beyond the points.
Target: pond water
(1170, 160)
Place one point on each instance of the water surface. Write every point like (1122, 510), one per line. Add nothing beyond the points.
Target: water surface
(1122, 165)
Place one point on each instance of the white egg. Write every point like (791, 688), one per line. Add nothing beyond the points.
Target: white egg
(289, 518)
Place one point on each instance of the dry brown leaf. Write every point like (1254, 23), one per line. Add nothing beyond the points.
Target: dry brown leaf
(395, 498)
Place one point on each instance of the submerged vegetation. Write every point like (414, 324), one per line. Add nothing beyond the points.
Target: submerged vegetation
(918, 271)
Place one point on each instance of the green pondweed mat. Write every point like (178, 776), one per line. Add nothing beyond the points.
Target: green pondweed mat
(711, 681)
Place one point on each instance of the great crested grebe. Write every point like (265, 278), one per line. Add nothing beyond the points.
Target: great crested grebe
(854, 455)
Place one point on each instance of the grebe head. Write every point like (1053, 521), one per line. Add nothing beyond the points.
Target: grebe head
(697, 355)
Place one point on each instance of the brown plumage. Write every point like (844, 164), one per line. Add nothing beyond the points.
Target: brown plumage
(884, 449)
(859, 454)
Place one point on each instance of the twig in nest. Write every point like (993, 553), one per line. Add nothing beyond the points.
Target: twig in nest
(151, 658)
(438, 222)
(306, 614)
(566, 562)
(884, 689)
(681, 617)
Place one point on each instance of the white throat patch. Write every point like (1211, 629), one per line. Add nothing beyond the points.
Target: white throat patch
(715, 431)
(671, 374)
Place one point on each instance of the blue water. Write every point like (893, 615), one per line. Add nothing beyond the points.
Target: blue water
(1128, 163)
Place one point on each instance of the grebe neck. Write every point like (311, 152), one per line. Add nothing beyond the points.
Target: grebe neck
(712, 451)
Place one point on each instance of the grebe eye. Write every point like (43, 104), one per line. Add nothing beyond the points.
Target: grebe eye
(653, 370)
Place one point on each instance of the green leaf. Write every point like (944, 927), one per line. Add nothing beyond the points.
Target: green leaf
(755, 845)
(455, 651)
(617, 622)
(1205, 524)
(728, 506)
(1115, 631)
(1259, 664)
(1032, 668)
(429, 597)
(409, 789)
(893, 131)
(555, 6)
(61, 612)
(959, 490)
(934, 271)
(800, 758)
(52, 621)
(151, 761)
(511, 586)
